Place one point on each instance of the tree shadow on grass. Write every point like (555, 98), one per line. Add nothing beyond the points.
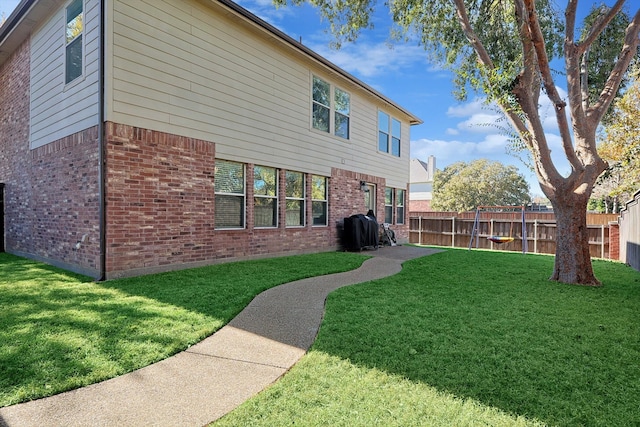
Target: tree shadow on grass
(61, 331)
(505, 337)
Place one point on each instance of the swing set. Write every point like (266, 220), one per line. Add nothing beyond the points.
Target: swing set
(498, 239)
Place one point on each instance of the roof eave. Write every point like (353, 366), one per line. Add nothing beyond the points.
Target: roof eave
(20, 24)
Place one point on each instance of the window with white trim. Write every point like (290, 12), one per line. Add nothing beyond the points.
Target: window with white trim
(265, 196)
(331, 108)
(400, 200)
(388, 205)
(295, 199)
(389, 131)
(74, 29)
(229, 194)
(319, 200)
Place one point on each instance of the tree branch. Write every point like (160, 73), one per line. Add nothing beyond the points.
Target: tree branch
(628, 51)
(598, 26)
(549, 85)
(477, 45)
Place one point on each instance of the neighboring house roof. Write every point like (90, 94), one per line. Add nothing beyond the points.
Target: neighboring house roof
(419, 171)
(421, 179)
(29, 13)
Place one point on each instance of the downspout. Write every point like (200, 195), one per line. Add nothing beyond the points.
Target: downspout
(101, 150)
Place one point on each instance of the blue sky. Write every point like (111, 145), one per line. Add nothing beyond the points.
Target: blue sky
(452, 131)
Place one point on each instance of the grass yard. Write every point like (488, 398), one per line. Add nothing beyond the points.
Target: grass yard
(60, 331)
(467, 338)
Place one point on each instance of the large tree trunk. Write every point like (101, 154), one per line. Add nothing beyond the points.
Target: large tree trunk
(573, 260)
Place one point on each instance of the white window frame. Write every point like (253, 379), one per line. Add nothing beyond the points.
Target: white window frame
(388, 191)
(325, 200)
(401, 202)
(391, 128)
(332, 107)
(302, 200)
(68, 42)
(273, 197)
(242, 195)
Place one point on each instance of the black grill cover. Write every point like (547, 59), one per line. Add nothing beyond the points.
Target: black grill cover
(360, 231)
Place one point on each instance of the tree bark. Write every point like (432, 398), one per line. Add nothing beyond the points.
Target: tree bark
(573, 259)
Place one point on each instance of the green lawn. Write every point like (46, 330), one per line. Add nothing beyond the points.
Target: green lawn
(60, 331)
(467, 338)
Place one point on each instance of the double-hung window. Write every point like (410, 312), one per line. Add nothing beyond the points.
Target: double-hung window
(389, 131)
(319, 200)
(265, 196)
(400, 207)
(343, 109)
(331, 109)
(230, 194)
(73, 40)
(295, 193)
(388, 205)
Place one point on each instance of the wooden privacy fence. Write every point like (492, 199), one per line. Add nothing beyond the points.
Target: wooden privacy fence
(455, 231)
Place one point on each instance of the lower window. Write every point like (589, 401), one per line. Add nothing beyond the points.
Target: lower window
(295, 193)
(319, 200)
(265, 197)
(230, 194)
(400, 207)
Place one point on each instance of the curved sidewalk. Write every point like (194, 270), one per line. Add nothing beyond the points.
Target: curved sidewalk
(208, 380)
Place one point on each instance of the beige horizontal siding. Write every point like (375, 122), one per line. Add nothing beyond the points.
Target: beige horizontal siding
(193, 69)
(58, 110)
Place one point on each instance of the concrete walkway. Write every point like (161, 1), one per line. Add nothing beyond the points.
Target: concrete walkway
(208, 380)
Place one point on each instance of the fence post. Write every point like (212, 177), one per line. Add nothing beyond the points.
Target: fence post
(602, 241)
(420, 230)
(535, 236)
(491, 232)
(453, 231)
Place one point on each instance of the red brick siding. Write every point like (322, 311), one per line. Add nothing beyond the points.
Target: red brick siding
(420, 205)
(614, 240)
(161, 213)
(51, 193)
(159, 198)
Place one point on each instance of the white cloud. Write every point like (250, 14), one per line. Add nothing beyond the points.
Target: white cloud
(480, 123)
(492, 147)
(467, 109)
(367, 59)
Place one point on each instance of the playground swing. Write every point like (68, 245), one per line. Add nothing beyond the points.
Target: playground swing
(500, 239)
(497, 238)
(503, 239)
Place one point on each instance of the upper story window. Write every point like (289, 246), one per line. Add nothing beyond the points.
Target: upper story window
(73, 41)
(389, 130)
(331, 109)
(230, 194)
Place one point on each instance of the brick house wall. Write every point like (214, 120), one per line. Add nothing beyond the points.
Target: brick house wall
(51, 193)
(159, 197)
(420, 206)
(614, 240)
(161, 213)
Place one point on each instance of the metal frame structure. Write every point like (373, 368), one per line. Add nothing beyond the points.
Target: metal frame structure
(476, 224)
